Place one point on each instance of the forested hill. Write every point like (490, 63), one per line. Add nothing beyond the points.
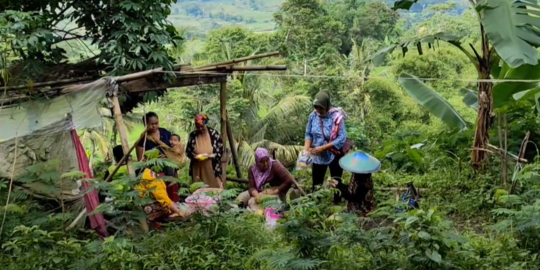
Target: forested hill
(200, 16)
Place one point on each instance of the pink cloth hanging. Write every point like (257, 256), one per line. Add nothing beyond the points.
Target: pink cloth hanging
(91, 200)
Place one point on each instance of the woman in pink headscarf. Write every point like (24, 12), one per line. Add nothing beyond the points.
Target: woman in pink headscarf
(265, 171)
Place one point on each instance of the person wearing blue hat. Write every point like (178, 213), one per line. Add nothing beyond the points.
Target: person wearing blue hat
(359, 194)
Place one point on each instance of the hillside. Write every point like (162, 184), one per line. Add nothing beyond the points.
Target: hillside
(200, 16)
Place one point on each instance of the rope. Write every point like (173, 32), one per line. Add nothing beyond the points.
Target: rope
(353, 78)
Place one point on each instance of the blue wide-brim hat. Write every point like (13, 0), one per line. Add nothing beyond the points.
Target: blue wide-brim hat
(360, 162)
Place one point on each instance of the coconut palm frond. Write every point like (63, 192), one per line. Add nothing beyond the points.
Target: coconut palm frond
(101, 142)
(245, 154)
(288, 108)
(286, 154)
(259, 135)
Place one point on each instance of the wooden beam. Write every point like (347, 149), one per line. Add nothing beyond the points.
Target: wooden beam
(49, 83)
(233, 149)
(145, 85)
(257, 68)
(223, 113)
(146, 73)
(236, 61)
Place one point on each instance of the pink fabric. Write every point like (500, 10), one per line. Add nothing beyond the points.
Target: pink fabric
(338, 116)
(91, 200)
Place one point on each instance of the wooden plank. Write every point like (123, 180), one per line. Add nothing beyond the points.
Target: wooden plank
(257, 68)
(145, 85)
(236, 61)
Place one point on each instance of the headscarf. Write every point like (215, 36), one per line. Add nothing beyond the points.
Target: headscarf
(322, 99)
(261, 176)
(201, 120)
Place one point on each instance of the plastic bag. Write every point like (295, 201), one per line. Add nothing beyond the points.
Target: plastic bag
(304, 161)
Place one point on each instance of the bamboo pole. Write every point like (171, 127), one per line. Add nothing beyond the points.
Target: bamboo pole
(233, 149)
(502, 152)
(125, 157)
(223, 113)
(146, 73)
(49, 83)
(122, 131)
(125, 145)
(257, 68)
(236, 61)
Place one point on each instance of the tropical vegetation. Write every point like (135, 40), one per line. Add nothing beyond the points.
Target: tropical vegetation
(442, 93)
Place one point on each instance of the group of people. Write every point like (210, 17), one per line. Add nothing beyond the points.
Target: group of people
(325, 142)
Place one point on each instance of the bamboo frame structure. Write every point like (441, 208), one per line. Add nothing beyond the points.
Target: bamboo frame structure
(181, 75)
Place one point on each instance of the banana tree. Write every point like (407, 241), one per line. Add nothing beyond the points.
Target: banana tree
(509, 34)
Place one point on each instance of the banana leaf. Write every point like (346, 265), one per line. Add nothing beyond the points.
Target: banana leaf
(512, 28)
(432, 101)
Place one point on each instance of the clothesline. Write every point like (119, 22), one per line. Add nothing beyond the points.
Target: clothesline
(358, 78)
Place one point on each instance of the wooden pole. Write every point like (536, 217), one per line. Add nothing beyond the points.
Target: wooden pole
(233, 149)
(236, 61)
(122, 131)
(125, 143)
(125, 157)
(223, 110)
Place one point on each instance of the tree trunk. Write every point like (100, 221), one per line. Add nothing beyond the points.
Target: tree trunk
(485, 106)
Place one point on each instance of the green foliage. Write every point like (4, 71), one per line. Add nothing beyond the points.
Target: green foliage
(127, 38)
(466, 220)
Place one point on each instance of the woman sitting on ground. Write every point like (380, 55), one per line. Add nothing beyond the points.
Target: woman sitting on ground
(265, 170)
(163, 206)
(359, 193)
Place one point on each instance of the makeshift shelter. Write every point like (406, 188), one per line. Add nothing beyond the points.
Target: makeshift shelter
(39, 121)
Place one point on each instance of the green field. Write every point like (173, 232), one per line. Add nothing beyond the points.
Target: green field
(199, 17)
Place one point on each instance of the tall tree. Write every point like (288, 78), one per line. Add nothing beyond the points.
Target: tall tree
(130, 35)
(509, 35)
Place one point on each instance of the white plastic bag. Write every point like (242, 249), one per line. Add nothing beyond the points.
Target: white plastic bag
(304, 161)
